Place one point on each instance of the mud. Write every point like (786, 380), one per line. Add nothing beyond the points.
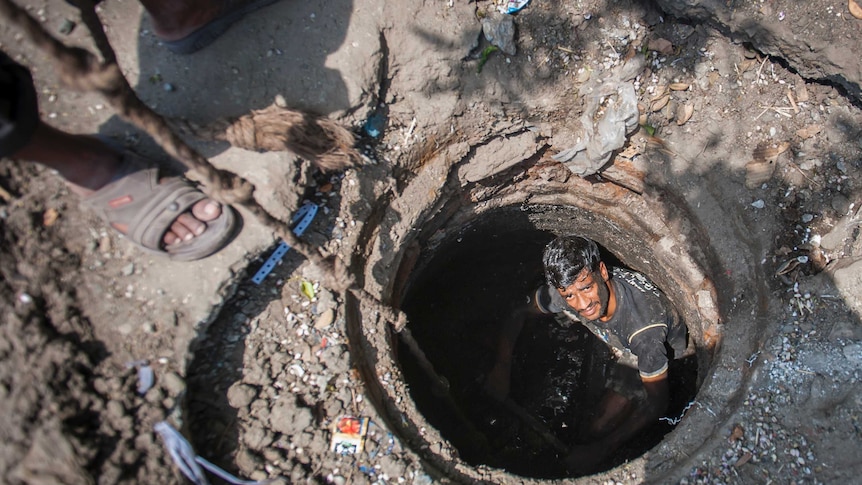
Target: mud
(747, 214)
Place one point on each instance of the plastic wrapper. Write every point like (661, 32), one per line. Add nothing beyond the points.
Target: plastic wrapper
(610, 115)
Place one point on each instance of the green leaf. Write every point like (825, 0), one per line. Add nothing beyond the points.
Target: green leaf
(649, 129)
(486, 53)
(307, 289)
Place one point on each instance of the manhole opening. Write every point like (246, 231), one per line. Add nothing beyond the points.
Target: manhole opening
(458, 294)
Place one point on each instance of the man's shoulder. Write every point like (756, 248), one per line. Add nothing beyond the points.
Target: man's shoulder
(637, 281)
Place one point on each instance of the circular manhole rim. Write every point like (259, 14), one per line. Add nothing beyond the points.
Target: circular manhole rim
(431, 204)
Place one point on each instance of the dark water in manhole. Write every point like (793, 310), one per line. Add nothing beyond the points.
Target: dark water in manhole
(456, 304)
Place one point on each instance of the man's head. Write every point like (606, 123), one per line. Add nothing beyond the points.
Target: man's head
(573, 266)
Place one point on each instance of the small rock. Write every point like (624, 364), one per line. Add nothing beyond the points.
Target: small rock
(67, 27)
(105, 245)
(115, 409)
(168, 87)
(662, 46)
(129, 269)
(154, 395)
(758, 204)
(853, 353)
(256, 437)
(287, 418)
(173, 383)
(325, 319)
(247, 461)
(240, 395)
(499, 30)
(840, 203)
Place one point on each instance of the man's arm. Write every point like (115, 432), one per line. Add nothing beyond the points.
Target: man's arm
(498, 380)
(648, 413)
(584, 458)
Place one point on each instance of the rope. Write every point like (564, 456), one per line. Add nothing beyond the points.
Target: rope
(326, 143)
(81, 70)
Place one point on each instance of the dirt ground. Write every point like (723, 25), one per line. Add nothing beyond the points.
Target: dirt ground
(766, 161)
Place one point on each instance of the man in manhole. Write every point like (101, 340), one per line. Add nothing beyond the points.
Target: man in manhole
(625, 310)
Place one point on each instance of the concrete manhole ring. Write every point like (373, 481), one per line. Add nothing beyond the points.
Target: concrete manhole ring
(648, 232)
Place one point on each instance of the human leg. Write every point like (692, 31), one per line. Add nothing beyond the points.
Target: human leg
(89, 165)
(186, 26)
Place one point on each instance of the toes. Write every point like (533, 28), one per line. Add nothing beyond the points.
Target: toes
(193, 223)
(206, 210)
(170, 238)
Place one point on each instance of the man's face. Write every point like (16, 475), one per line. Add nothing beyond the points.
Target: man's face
(589, 294)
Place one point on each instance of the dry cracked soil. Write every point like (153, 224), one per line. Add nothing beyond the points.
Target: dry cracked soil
(762, 155)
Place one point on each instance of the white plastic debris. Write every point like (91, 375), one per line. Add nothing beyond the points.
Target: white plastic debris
(190, 464)
(146, 378)
(513, 6)
(611, 113)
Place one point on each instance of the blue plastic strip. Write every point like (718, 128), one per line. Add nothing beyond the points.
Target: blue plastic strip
(304, 215)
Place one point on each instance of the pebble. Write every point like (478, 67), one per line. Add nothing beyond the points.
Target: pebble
(173, 383)
(240, 395)
(67, 27)
(853, 353)
(129, 269)
(168, 87)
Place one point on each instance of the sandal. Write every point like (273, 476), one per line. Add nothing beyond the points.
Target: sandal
(136, 199)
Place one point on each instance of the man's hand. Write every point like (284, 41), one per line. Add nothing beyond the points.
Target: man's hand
(497, 383)
(584, 459)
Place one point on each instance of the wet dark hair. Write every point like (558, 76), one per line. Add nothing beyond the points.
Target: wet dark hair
(566, 257)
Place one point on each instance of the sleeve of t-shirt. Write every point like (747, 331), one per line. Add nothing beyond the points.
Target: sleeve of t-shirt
(549, 300)
(648, 344)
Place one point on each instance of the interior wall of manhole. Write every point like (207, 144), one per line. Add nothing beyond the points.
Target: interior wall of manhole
(652, 236)
(457, 299)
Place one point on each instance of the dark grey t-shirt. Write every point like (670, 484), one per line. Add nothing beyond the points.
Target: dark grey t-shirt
(644, 321)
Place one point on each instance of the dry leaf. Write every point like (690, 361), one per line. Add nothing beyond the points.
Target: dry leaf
(630, 151)
(746, 65)
(679, 86)
(743, 460)
(801, 91)
(683, 113)
(808, 131)
(713, 77)
(762, 167)
(50, 217)
(787, 266)
(643, 119)
(770, 152)
(737, 434)
(670, 110)
(663, 46)
(855, 9)
(758, 172)
(660, 103)
(660, 91)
